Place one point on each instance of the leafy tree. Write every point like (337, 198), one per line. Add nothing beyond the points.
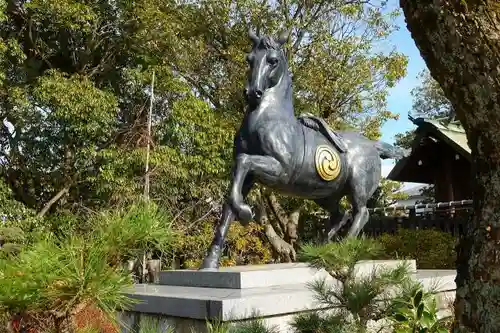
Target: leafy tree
(404, 140)
(73, 104)
(459, 42)
(10, 208)
(428, 193)
(11, 236)
(353, 88)
(75, 85)
(429, 101)
(387, 194)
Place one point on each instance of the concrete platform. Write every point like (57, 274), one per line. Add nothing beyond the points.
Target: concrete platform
(226, 304)
(229, 303)
(440, 279)
(261, 276)
(276, 292)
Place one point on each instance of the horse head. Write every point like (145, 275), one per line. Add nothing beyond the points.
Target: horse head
(267, 65)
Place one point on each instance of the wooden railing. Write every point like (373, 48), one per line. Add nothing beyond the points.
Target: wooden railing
(448, 217)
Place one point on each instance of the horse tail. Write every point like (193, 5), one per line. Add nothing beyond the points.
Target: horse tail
(389, 151)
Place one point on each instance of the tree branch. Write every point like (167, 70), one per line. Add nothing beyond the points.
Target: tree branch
(54, 199)
(292, 225)
(282, 249)
(277, 210)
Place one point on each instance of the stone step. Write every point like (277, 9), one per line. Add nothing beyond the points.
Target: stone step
(265, 291)
(208, 302)
(227, 304)
(260, 276)
(440, 279)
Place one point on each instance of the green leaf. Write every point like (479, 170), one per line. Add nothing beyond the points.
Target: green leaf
(418, 298)
(427, 320)
(401, 330)
(400, 317)
(420, 310)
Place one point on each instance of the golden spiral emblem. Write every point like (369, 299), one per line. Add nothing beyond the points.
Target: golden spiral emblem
(327, 163)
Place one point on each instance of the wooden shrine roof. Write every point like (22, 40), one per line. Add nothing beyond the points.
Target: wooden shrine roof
(417, 167)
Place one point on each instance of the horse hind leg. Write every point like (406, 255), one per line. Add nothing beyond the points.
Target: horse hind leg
(363, 189)
(361, 217)
(337, 229)
(337, 219)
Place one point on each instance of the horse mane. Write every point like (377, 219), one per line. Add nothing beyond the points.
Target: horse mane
(268, 43)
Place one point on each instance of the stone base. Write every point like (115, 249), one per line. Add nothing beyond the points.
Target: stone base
(185, 299)
(262, 276)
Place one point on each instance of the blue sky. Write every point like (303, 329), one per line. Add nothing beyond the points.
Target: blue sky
(400, 99)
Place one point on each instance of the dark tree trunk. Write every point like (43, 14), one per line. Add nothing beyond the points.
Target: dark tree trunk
(460, 42)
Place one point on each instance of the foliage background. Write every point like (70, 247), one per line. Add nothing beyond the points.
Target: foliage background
(75, 86)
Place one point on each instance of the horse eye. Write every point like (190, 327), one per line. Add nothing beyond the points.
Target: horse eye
(273, 61)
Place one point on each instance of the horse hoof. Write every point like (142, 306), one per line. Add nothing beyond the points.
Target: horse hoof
(209, 266)
(210, 262)
(208, 269)
(245, 214)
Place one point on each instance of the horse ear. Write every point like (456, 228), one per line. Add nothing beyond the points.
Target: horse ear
(283, 37)
(253, 36)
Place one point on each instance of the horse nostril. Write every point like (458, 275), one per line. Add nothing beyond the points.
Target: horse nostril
(258, 93)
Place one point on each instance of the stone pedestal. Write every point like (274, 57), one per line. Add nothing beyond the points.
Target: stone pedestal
(185, 299)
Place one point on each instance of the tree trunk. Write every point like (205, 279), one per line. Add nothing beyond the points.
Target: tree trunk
(52, 201)
(460, 42)
(278, 211)
(283, 251)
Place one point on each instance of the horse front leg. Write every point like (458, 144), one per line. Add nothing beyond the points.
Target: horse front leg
(211, 261)
(266, 168)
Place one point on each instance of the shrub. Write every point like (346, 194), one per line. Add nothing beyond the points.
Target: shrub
(92, 319)
(127, 233)
(432, 249)
(244, 245)
(50, 280)
(250, 326)
(415, 310)
(385, 299)
(314, 322)
(151, 324)
(358, 299)
(11, 240)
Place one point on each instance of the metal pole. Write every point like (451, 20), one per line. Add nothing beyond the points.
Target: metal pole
(146, 176)
(146, 183)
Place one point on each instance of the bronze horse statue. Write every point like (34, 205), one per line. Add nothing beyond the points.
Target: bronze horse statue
(300, 157)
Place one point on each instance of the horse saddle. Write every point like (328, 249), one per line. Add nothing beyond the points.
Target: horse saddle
(319, 124)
